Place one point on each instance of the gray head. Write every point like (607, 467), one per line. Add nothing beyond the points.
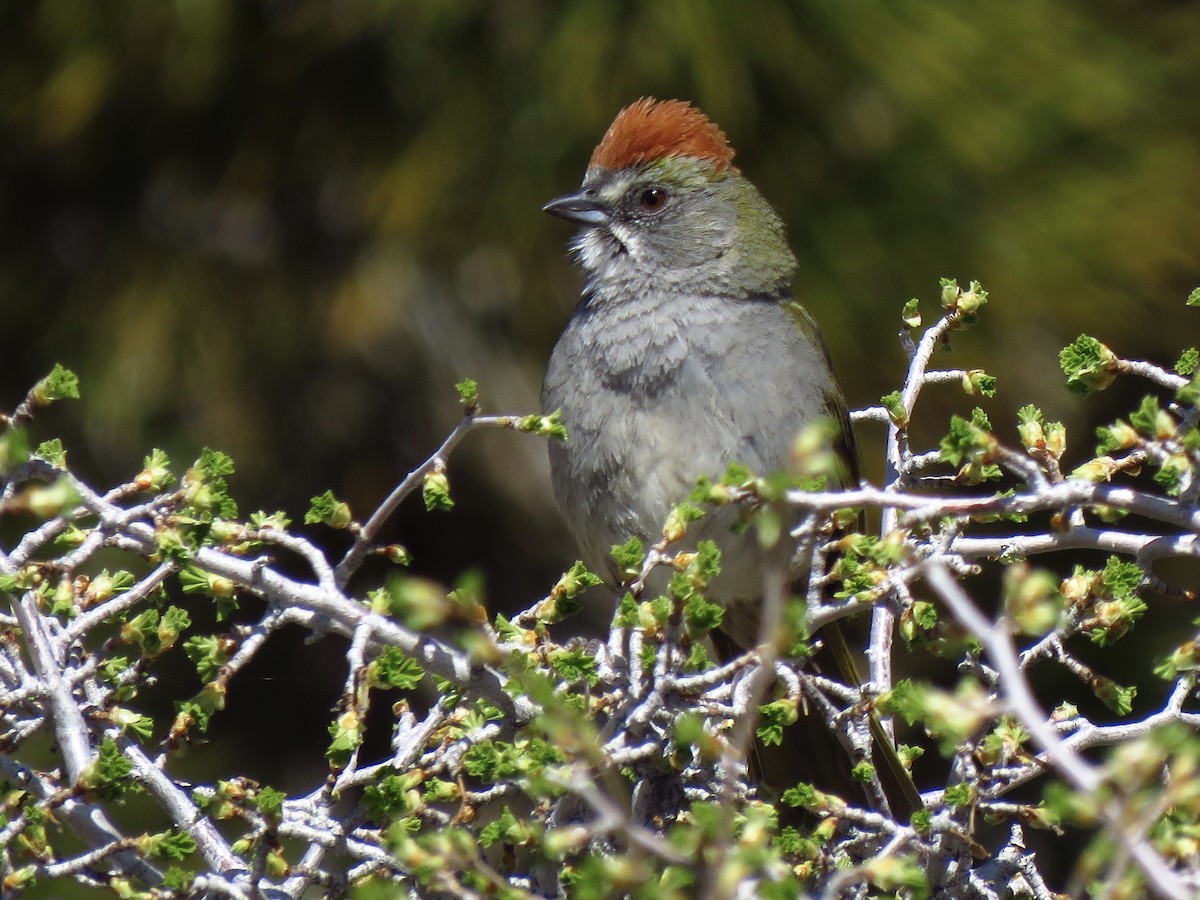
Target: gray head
(662, 206)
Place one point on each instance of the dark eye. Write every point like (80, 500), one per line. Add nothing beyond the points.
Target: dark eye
(653, 199)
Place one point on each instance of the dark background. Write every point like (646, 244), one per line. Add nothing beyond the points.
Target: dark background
(285, 229)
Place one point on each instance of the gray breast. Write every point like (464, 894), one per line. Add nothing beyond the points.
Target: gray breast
(658, 392)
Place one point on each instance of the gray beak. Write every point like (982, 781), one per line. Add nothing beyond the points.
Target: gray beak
(582, 208)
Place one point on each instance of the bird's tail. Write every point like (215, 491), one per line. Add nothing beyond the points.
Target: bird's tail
(812, 752)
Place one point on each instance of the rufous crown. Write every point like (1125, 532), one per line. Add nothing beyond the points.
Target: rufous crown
(650, 129)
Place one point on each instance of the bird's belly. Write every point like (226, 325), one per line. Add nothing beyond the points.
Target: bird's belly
(633, 463)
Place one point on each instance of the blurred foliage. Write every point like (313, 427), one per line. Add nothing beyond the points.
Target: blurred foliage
(287, 228)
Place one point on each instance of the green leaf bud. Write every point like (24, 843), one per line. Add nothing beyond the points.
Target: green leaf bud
(60, 384)
(1088, 365)
(328, 510)
(436, 491)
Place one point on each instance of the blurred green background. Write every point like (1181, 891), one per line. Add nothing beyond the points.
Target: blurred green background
(285, 229)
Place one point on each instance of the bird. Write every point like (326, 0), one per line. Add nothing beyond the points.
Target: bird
(687, 350)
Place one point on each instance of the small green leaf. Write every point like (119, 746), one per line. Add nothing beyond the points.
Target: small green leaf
(420, 603)
(900, 876)
(911, 314)
(392, 796)
(574, 665)
(392, 669)
(278, 520)
(269, 801)
(697, 660)
(60, 384)
(979, 382)
(469, 595)
(156, 472)
(48, 501)
(1116, 697)
(863, 772)
(108, 774)
(468, 393)
(173, 623)
(328, 510)
(949, 292)
(25, 876)
(197, 712)
(508, 829)
(396, 553)
(563, 600)
(773, 718)
(805, 796)
(576, 580)
(105, 585)
(1185, 658)
(701, 567)
(14, 448)
(628, 612)
(973, 299)
(1088, 365)
(737, 475)
(970, 444)
(1031, 427)
(678, 520)
(1031, 599)
(172, 845)
(1152, 421)
(967, 303)
(1118, 436)
(112, 668)
(661, 610)
(1030, 414)
(701, 616)
(52, 452)
(142, 630)
(1189, 394)
(178, 879)
(706, 491)
(196, 581)
(208, 653)
(205, 490)
(550, 426)
(907, 699)
(908, 753)
(894, 405)
(510, 633)
(790, 842)
(1121, 579)
(1188, 361)
(436, 491)
(346, 733)
(214, 463)
(1056, 439)
(1113, 619)
(439, 791)
(629, 556)
(128, 720)
(1193, 298)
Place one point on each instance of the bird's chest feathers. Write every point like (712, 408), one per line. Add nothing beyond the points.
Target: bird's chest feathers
(654, 360)
(656, 349)
(654, 416)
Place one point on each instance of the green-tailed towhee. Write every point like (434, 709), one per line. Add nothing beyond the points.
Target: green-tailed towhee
(687, 351)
